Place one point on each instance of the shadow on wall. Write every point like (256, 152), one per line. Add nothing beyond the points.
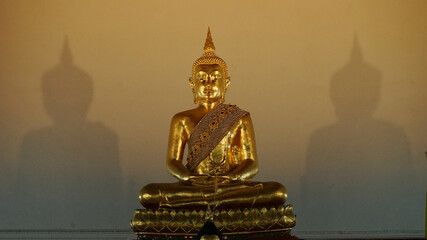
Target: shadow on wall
(70, 174)
(5, 193)
(359, 174)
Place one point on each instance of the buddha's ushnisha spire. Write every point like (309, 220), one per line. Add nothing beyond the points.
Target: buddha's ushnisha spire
(66, 57)
(209, 56)
(356, 51)
(209, 45)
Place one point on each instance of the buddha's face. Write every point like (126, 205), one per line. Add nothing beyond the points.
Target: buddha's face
(209, 83)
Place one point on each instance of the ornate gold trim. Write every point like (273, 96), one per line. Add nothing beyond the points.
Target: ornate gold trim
(233, 221)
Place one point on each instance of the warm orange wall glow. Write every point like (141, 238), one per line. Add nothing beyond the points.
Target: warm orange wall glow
(283, 59)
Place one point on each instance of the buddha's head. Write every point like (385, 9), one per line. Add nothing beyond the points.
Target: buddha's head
(67, 90)
(355, 88)
(209, 80)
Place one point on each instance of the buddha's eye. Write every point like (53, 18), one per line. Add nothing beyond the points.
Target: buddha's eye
(202, 76)
(216, 75)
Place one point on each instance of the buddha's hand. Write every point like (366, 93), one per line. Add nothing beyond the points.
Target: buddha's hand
(200, 180)
(209, 180)
(232, 177)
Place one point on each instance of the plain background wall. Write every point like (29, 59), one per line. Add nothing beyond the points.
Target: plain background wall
(293, 65)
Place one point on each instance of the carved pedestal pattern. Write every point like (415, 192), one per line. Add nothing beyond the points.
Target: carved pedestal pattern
(256, 221)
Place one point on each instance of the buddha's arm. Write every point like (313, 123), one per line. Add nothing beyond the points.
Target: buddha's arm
(177, 139)
(245, 144)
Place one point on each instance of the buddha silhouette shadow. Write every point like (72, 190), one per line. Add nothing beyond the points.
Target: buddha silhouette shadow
(6, 203)
(70, 171)
(359, 168)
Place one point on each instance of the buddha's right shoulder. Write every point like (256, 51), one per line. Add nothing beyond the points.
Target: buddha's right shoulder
(183, 116)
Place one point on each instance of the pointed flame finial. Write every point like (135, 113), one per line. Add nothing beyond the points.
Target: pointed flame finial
(66, 57)
(209, 45)
(356, 51)
(209, 56)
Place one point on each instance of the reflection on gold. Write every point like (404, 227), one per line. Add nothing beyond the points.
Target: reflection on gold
(220, 163)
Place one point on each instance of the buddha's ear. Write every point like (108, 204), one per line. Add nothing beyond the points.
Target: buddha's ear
(227, 82)
(190, 79)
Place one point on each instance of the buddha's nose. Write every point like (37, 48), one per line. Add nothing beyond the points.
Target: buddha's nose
(211, 80)
(209, 83)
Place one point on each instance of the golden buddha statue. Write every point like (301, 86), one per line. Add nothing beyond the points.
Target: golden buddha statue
(222, 156)
(220, 163)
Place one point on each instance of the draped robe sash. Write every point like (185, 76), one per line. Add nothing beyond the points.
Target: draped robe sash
(210, 130)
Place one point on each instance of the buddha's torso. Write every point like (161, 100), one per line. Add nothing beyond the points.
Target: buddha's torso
(227, 151)
(225, 156)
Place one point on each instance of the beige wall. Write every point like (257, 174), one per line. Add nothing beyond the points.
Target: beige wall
(283, 57)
